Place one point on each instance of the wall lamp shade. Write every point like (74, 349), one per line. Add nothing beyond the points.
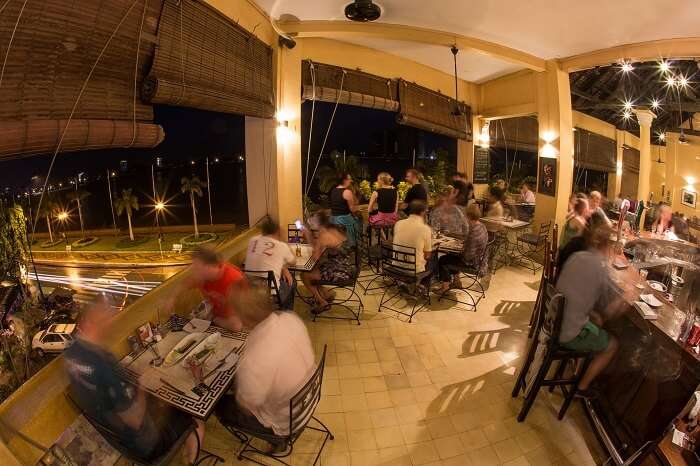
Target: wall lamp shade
(549, 151)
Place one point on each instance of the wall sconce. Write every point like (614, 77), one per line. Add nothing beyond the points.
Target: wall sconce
(284, 133)
(484, 137)
(549, 136)
(549, 151)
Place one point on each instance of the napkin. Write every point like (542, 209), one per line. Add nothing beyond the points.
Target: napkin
(197, 325)
(647, 312)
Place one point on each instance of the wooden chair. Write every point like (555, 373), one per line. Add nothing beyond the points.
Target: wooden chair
(301, 412)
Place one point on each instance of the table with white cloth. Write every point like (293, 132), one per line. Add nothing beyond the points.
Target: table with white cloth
(174, 385)
(303, 258)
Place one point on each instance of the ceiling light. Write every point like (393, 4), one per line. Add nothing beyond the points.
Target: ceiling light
(627, 115)
(683, 81)
(661, 136)
(670, 81)
(628, 105)
(655, 104)
(627, 67)
(664, 66)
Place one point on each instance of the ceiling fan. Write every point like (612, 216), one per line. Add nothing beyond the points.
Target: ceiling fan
(456, 111)
(362, 11)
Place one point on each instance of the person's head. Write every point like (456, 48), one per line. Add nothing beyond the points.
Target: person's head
(412, 176)
(473, 213)
(206, 263)
(524, 188)
(95, 320)
(500, 183)
(690, 294)
(470, 191)
(597, 235)
(664, 213)
(459, 176)
(581, 207)
(595, 199)
(417, 207)
(495, 194)
(344, 180)
(459, 192)
(384, 179)
(252, 304)
(269, 227)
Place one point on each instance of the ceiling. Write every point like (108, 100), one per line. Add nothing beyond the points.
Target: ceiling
(542, 28)
(602, 91)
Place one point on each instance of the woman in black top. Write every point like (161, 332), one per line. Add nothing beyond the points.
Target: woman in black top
(417, 192)
(384, 202)
(343, 207)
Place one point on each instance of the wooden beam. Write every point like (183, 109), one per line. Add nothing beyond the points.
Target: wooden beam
(642, 51)
(340, 29)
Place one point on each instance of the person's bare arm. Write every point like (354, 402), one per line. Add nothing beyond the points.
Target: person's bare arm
(372, 201)
(168, 303)
(231, 322)
(350, 199)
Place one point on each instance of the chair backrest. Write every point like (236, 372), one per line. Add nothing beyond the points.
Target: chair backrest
(553, 303)
(304, 402)
(487, 257)
(544, 230)
(555, 238)
(398, 259)
(264, 278)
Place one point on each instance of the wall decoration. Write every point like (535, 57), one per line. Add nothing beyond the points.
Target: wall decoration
(689, 198)
(548, 176)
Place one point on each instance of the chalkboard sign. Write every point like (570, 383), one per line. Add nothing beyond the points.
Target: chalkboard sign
(481, 165)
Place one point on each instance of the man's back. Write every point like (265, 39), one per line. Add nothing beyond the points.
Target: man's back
(413, 232)
(267, 253)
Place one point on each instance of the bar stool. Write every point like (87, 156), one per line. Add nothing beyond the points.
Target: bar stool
(548, 351)
(375, 236)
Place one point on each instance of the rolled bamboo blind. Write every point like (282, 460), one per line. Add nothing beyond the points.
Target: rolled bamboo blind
(518, 132)
(32, 137)
(358, 88)
(204, 60)
(54, 47)
(426, 109)
(595, 152)
(630, 160)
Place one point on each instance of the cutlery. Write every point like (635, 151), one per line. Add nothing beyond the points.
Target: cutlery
(203, 387)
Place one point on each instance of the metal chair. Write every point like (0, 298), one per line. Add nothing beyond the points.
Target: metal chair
(552, 352)
(375, 236)
(301, 412)
(399, 269)
(528, 245)
(265, 278)
(124, 448)
(475, 275)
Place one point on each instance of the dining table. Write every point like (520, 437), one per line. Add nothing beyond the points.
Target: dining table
(174, 384)
(448, 244)
(303, 258)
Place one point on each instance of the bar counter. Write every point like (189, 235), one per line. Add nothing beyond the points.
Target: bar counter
(652, 376)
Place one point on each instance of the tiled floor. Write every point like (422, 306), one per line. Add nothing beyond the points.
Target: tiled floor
(435, 391)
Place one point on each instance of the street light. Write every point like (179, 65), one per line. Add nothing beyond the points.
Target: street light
(63, 216)
(160, 206)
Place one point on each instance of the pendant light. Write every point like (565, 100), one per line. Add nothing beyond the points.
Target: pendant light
(456, 110)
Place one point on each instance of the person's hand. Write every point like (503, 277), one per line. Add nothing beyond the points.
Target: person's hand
(287, 277)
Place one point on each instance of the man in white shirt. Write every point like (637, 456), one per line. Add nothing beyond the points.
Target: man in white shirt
(414, 233)
(267, 253)
(528, 196)
(278, 360)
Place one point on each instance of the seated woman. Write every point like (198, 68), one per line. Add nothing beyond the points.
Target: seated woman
(474, 247)
(448, 218)
(344, 207)
(384, 202)
(663, 221)
(575, 222)
(337, 266)
(462, 193)
(495, 202)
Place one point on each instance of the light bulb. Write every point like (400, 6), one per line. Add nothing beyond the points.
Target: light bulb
(655, 104)
(627, 67)
(628, 105)
(662, 136)
(664, 66)
(670, 81)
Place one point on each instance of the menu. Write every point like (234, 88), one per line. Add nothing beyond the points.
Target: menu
(481, 165)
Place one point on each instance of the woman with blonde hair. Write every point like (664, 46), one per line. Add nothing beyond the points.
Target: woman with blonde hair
(663, 221)
(384, 202)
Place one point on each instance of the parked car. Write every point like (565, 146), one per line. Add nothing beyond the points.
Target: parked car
(56, 316)
(54, 339)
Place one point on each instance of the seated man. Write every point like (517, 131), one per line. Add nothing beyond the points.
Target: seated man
(148, 428)
(267, 253)
(587, 305)
(216, 279)
(277, 362)
(414, 233)
(474, 246)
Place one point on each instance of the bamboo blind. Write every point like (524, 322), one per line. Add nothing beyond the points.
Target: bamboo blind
(595, 152)
(358, 88)
(426, 109)
(518, 132)
(630, 160)
(56, 44)
(204, 60)
(32, 137)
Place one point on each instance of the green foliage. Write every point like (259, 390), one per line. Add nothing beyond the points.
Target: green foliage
(365, 189)
(436, 175)
(402, 189)
(192, 186)
(13, 240)
(127, 202)
(328, 175)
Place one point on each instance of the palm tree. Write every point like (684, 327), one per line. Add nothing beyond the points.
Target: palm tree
(193, 186)
(127, 202)
(78, 196)
(47, 210)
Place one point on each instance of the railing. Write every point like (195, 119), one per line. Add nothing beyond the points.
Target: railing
(39, 408)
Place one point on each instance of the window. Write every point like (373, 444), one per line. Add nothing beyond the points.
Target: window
(52, 339)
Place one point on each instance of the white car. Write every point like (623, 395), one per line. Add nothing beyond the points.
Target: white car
(54, 339)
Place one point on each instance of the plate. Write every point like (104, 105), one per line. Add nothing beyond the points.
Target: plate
(182, 348)
(205, 348)
(658, 286)
(650, 299)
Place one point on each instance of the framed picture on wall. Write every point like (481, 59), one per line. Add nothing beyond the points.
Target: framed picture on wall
(689, 198)
(548, 176)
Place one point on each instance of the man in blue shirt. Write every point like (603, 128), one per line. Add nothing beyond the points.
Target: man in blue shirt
(97, 385)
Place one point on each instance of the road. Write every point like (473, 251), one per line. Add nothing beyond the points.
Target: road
(122, 286)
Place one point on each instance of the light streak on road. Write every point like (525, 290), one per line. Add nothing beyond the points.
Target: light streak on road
(138, 288)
